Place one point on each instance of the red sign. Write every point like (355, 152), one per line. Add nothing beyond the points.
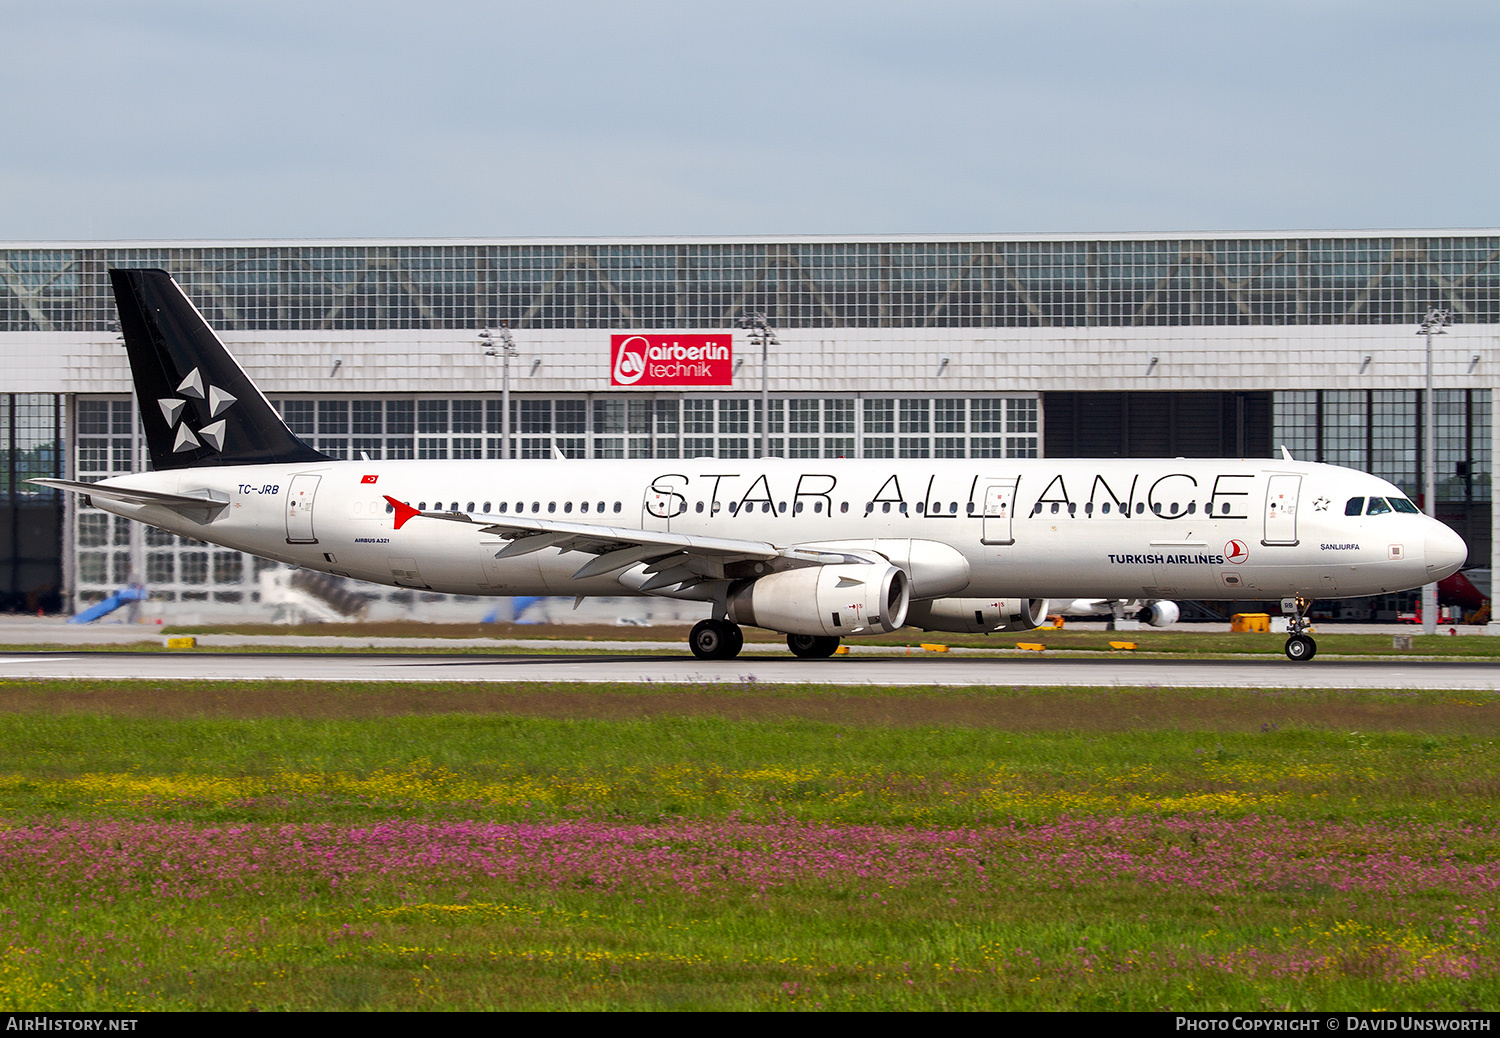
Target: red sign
(671, 360)
(369, 479)
(1236, 552)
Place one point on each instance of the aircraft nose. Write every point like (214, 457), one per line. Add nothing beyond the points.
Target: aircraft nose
(1445, 552)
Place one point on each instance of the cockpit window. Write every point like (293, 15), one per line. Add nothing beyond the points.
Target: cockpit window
(1356, 506)
(1378, 506)
(1401, 504)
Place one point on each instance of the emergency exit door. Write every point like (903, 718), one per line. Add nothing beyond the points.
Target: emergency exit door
(999, 509)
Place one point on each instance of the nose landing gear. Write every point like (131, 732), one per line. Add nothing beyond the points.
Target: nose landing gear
(1299, 646)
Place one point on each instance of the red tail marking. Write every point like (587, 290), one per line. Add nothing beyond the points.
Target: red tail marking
(404, 511)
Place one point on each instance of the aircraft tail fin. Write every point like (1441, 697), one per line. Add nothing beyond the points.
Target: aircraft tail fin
(198, 407)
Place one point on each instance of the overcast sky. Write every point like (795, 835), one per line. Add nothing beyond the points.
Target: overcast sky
(264, 119)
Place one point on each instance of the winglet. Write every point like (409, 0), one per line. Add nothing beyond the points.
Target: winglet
(1286, 454)
(404, 511)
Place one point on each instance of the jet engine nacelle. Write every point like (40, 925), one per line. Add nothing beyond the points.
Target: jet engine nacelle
(837, 601)
(1160, 614)
(978, 615)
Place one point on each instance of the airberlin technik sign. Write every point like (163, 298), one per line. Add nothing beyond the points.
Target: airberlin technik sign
(671, 360)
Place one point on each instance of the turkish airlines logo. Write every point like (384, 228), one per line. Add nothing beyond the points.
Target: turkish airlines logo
(1236, 552)
(671, 360)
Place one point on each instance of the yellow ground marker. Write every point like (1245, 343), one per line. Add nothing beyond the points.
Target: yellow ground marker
(934, 647)
(182, 641)
(1031, 646)
(1122, 646)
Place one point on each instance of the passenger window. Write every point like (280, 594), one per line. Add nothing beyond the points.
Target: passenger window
(1355, 506)
(1377, 506)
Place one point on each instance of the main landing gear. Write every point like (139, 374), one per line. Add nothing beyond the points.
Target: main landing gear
(716, 640)
(723, 640)
(812, 646)
(1299, 647)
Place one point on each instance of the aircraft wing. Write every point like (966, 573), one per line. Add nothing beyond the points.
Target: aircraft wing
(670, 559)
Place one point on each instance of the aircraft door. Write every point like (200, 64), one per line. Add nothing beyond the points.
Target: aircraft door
(999, 508)
(299, 510)
(1281, 510)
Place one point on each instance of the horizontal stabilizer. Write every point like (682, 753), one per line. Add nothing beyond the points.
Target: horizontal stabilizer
(199, 507)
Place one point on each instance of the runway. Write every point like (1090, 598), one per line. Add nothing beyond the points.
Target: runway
(929, 670)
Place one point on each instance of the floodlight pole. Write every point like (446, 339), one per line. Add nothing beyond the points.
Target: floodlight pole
(500, 344)
(760, 330)
(1433, 324)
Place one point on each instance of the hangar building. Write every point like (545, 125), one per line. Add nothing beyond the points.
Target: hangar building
(902, 346)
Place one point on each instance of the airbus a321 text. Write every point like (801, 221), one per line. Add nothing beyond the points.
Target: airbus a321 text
(818, 550)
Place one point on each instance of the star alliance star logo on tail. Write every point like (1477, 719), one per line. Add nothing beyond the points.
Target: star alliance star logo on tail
(218, 402)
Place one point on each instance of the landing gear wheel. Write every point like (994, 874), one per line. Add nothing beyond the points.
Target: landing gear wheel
(812, 646)
(1300, 648)
(716, 640)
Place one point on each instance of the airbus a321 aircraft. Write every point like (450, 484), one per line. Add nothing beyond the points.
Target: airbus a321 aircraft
(818, 550)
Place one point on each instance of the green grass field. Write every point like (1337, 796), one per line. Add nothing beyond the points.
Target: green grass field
(297, 846)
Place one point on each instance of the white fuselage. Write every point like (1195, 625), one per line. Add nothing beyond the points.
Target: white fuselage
(1061, 529)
